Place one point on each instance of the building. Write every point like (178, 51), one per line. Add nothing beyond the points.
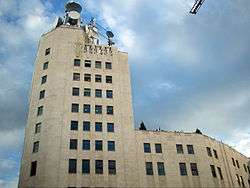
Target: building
(80, 130)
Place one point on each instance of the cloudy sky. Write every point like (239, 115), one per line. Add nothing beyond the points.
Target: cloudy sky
(187, 71)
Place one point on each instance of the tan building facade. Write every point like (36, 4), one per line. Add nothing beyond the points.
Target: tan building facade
(80, 130)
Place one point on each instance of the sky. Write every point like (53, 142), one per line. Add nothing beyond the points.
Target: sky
(188, 71)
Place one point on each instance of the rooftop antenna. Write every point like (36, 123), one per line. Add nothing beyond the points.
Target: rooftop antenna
(110, 36)
(197, 5)
(73, 13)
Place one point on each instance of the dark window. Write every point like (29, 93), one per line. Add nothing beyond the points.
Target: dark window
(47, 51)
(238, 179)
(149, 168)
(213, 171)
(98, 145)
(215, 154)
(161, 168)
(98, 64)
(109, 94)
(99, 167)
(190, 149)
(98, 78)
(98, 93)
(209, 152)
(75, 91)
(85, 166)
(110, 127)
(42, 94)
(87, 77)
(242, 181)
(109, 79)
(194, 169)
(38, 128)
(86, 144)
(249, 182)
(72, 166)
(179, 148)
(33, 168)
(86, 126)
(73, 144)
(220, 173)
(110, 110)
(76, 76)
(40, 111)
(74, 125)
(237, 163)
(98, 126)
(112, 166)
(87, 63)
(183, 169)
(245, 167)
(77, 62)
(87, 92)
(74, 107)
(46, 65)
(147, 148)
(233, 162)
(111, 145)
(44, 79)
(98, 109)
(108, 65)
(248, 168)
(35, 147)
(86, 108)
(158, 148)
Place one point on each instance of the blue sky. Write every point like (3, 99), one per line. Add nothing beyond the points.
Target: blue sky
(187, 71)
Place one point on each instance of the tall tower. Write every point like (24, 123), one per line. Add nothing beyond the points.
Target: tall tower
(79, 129)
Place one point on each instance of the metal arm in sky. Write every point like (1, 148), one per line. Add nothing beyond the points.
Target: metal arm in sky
(196, 6)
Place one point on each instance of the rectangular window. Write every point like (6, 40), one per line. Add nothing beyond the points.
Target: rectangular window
(98, 145)
(75, 108)
(35, 147)
(149, 168)
(42, 94)
(33, 168)
(237, 163)
(209, 152)
(110, 110)
(112, 167)
(72, 166)
(47, 51)
(108, 65)
(40, 111)
(183, 169)
(190, 149)
(245, 167)
(86, 144)
(86, 126)
(220, 173)
(238, 179)
(86, 108)
(74, 125)
(215, 154)
(111, 145)
(77, 62)
(242, 181)
(98, 78)
(161, 168)
(98, 109)
(87, 63)
(194, 169)
(248, 168)
(87, 77)
(147, 148)
(158, 148)
(75, 91)
(73, 144)
(110, 127)
(76, 76)
(38, 128)
(98, 64)
(213, 171)
(233, 162)
(85, 166)
(87, 92)
(109, 94)
(109, 79)
(46, 65)
(98, 126)
(179, 148)
(44, 79)
(99, 167)
(98, 93)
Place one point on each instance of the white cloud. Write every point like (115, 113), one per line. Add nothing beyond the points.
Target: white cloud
(9, 184)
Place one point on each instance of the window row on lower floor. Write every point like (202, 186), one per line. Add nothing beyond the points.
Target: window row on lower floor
(87, 125)
(86, 145)
(87, 109)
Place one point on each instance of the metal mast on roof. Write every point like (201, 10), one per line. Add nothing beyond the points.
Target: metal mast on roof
(197, 5)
